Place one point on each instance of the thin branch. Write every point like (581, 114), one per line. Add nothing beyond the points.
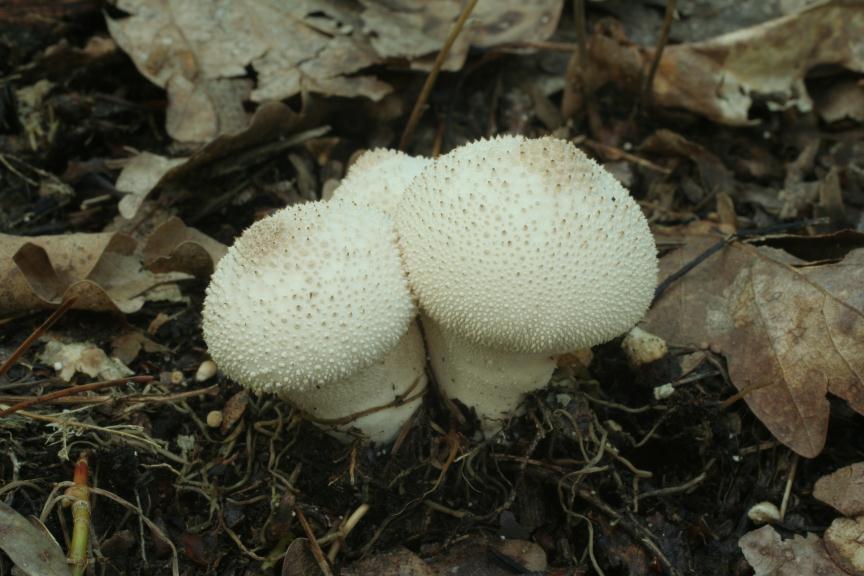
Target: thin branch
(36, 334)
(420, 105)
(45, 398)
(658, 51)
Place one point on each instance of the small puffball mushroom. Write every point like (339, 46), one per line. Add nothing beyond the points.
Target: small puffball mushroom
(312, 303)
(379, 177)
(520, 250)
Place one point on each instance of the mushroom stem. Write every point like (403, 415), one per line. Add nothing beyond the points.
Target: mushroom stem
(491, 381)
(377, 400)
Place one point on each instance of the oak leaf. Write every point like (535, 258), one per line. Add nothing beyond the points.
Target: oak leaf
(791, 330)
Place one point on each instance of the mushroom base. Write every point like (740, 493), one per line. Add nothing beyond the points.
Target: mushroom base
(372, 401)
(489, 381)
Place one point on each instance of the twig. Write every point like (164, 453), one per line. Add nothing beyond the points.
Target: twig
(685, 487)
(45, 398)
(576, 90)
(36, 334)
(313, 543)
(420, 104)
(614, 153)
(787, 492)
(636, 530)
(743, 393)
(658, 51)
(432, 505)
(347, 526)
(714, 248)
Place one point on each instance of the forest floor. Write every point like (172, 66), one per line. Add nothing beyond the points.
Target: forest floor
(119, 190)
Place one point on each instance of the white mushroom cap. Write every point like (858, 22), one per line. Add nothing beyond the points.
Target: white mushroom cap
(379, 177)
(526, 245)
(307, 297)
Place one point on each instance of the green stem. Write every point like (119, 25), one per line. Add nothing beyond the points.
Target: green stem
(80, 495)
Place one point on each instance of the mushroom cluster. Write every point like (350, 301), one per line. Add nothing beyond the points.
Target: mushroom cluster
(515, 250)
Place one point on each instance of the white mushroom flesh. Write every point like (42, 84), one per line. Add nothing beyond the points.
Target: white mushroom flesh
(308, 297)
(525, 247)
(379, 178)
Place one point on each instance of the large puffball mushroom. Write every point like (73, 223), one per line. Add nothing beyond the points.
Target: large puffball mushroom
(379, 177)
(312, 303)
(518, 249)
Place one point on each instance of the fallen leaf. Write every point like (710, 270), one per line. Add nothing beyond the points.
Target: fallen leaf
(29, 547)
(85, 357)
(722, 78)
(477, 555)
(844, 540)
(139, 177)
(273, 124)
(770, 555)
(399, 562)
(843, 490)
(843, 100)
(299, 560)
(790, 331)
(174, 247)
(63, 60)
(126, 345)
(490, 557)
(197, 49)
(100, 270)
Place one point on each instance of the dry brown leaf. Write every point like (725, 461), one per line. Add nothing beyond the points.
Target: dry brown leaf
(770, 555)
(844, 540)
(723, 77)
(29, 546)
(843, 490)
(146, 173)
(299, 560)
(99, 270)
(69, 358)
(791, 332)
(62, 59)
(126, 346)
(841, 101)
(174, 247)
(198, 51)
(473, 556)
(139, 176)
(399, 562)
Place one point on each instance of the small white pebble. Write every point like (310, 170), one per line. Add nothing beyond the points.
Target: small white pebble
(206, 370)
(214, 418)
(664, 391)
(58, 366)
(764, 513)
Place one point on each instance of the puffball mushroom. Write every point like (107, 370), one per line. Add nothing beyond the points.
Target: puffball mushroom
(519, 250)
(312, 303)
(379, 177)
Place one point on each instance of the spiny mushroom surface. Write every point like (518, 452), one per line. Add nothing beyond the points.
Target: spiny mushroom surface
(309, 298)
(379, 177)
(524, 246)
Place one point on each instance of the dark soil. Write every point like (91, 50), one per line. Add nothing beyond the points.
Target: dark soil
(594, 462)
